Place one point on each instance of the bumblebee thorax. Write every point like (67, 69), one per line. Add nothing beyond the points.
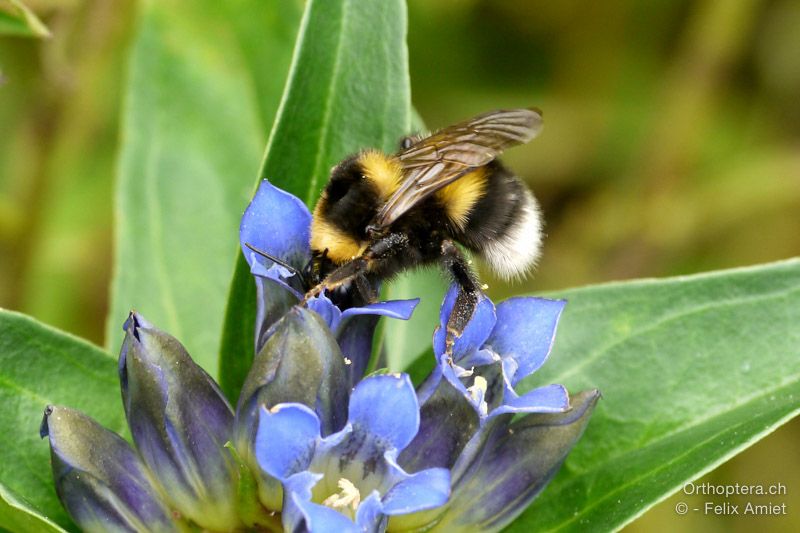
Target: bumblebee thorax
(348, 204)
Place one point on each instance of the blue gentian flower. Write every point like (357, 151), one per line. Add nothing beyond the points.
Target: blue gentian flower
(468, 405)
(499, 347)
(197, 464)
(349, 481)
(180, 471)
(313, 444)
(100, 479)
(279, 224)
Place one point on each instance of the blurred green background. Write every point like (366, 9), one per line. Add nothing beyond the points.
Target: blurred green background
(671, 146)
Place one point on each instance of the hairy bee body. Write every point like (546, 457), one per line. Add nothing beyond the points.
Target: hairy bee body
(381, 214)
(503, 226)
(489, 211)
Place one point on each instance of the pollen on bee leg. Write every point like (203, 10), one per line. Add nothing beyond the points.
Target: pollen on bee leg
(450, 340)
(484, 287)
(453, 334)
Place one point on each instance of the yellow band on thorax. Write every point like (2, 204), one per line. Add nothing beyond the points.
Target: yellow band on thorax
(383, 171)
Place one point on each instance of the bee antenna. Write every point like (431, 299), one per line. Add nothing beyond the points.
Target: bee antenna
(281, 262)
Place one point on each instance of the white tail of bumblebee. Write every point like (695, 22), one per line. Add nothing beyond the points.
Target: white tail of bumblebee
(515, 254)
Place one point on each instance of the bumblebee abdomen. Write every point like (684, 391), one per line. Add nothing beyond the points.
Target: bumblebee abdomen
(504, 225)
(459, 199)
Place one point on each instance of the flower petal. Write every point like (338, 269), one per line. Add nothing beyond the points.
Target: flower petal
(99, 478)
(424, 490)
(275, 297)
(401, 309)
(384, 417)
(279, 275)
(354, 328)
(547, 399)
(447, 421)
(324, 307)
(525, 331)
(369, 515)
(180, 421)
(386, 408)
(300, 363)
(308, 516)
(278, 223)
(488, 384)
(286, 439)
(336, 319)
(475, 333)
(479, 358)
(516, 461)
(355, 338)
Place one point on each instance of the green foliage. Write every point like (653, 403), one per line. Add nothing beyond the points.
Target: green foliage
(348, 88)
(692, 371)
(16, 515)
(404, 341)
(204, 83)
(42, 366)
(17, 19)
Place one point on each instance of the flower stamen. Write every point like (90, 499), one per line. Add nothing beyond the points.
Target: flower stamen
(464, 373)
(348, 496)
(478, 392)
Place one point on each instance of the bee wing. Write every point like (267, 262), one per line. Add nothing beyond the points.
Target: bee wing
(438, 160)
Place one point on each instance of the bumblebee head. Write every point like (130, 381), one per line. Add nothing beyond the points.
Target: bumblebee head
(357, 188)
(318, 267)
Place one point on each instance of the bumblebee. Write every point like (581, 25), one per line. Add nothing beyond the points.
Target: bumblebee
(381, 214)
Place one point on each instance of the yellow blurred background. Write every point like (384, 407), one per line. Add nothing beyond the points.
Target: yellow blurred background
(671, 146)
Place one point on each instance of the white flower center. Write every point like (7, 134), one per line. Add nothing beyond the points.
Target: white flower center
(478, 392)
(462, 372)
(348, 496)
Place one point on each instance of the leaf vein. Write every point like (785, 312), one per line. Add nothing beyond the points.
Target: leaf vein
(157, 250)
(326, 113)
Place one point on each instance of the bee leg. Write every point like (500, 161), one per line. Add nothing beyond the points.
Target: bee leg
(354, 268)
(467, 299)
(365, 289)
(373, 257)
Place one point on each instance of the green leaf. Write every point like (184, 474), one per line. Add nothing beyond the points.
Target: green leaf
(16, 515)
(408, 340)
(204, 84)
(18, 19)
(408, 344)
(348, 89)
(420, 368)
(692, 370)
(40, 366)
